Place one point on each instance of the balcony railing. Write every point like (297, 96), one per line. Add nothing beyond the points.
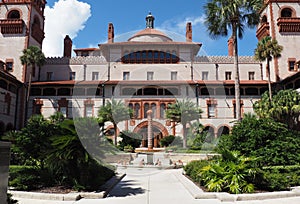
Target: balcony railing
(290, 25)
(263, 30)
(12, 26)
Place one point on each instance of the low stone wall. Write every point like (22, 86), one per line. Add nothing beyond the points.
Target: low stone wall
(126, 158)
(186, 158)
(4, 167)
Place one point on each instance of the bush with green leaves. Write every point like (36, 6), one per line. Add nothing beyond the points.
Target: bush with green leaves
(166, 141)
(129, 138)
(231, 172)
(70, 162)
(63, 158)
(29, 178)
(272, 142)
(280, 178)
(192, 169)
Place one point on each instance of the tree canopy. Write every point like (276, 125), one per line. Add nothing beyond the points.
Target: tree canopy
(284, 108)
(183, 112)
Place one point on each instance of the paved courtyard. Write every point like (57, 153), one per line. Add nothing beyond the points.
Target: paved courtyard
(153, 186)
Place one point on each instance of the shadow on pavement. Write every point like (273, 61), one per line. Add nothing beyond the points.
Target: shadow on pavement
(124, 189)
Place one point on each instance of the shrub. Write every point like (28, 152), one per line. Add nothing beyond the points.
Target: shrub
(231, 173)
(192, 169)
(24, 178)
(129, 138)
(272, 142)
(166, 141)
(278, 178)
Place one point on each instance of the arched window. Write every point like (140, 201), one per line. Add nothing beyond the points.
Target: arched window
(162, 110)
(137, 109)
(286, 13)
(153, 108)
(146, 108)
(14, 14)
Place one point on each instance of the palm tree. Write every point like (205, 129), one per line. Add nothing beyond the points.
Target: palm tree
(183, 112)
(32, 56)
(222, 15)
(115, 112)
(267, 49)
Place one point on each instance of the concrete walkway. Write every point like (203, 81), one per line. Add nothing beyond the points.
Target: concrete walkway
(152, 186)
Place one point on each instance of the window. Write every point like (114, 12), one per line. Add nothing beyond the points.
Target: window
(173, 75)
(204, 75)
(126, 75)
(227, 75)
(146, 108)
(49, 76)
(162, 110)
(14, 14)
(292, 65)
(137, 109)
(72, 75)
(88, 111)
(9, 65)
(211, 110)
(251, 75)
(153, 108)
(95, 76)
(286, 13)
(150, 75)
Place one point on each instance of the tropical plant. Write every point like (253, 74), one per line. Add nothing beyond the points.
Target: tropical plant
(114, 112)
(166, 141)
(267, 49)
(284, 108)
(270, 141)
(69, 160)
(33, 142)
(223, 15)
(232, 173)
(32, 56)
(183, 112)
(129, 138)
(196, 136)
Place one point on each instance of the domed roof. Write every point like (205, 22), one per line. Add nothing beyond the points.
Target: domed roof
(150, 35)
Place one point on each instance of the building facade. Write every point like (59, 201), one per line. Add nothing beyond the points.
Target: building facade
(148, 71)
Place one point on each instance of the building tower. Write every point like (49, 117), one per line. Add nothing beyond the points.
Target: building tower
(150, 21)
(21, 25)
(280, 19)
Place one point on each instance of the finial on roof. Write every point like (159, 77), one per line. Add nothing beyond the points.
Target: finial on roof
(150, 21)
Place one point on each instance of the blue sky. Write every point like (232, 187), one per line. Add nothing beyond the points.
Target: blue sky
(86, 21)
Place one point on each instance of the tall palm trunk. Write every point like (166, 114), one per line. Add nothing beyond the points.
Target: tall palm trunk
(116, 134)
(237, 73)
(269, 78)
(184, 135)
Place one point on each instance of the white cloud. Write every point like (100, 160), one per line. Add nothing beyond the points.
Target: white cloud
(66, 17)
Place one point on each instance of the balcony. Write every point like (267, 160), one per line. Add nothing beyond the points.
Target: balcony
(12, 26)
(263, 31)
(37, 33)
(288, 25)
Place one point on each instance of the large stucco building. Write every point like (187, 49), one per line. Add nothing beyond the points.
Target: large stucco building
(148, 71)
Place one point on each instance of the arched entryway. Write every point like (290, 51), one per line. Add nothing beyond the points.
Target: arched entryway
(223, 130)
(159, 131)
(210, 133)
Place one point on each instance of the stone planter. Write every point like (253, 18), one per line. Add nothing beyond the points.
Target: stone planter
(4, 167)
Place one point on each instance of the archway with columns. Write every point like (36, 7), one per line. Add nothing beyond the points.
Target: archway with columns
(159, 132)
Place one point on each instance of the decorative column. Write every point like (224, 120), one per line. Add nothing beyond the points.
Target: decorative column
(150, 131)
